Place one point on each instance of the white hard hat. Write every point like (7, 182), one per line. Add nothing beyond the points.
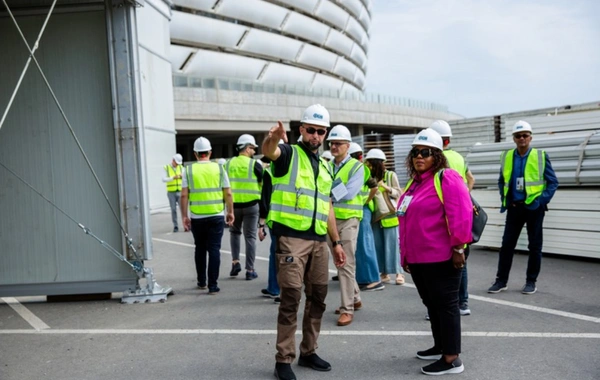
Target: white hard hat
(354, 148)
(376, 154)
(441, 127)
(300, 138)
(339, 132)
(316, 115)
(178, 159)
(327, 155)
(202, 145)
(221, 161)
(521, 126)
(429, 137)
(246, 139)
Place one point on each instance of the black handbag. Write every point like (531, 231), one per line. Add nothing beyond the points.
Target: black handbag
(479, 220)
(480, 217)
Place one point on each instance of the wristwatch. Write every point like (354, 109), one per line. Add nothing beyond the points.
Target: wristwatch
(337, 242)
(460, 251)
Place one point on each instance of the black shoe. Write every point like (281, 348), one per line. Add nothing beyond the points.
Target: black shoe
(277, 300)
(175, 229)
(430, 354)
(497, 287)
(366, 288)
(283, 371)
(201, 285)
(213, 290)
(315, 362)
(236, 268)
(441, 367)
(335, 278)
(268, 294)
(529, 288)
(251, 275)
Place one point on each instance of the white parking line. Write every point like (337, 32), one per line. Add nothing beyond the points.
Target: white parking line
(561, 313)
(474, 334)
(26, 314)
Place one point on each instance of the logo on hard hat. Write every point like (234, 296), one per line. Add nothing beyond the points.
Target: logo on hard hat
(518, 127)
(423, 138)
(317, 116)
(334, 134)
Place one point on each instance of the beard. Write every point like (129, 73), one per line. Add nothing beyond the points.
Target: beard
(312, 146)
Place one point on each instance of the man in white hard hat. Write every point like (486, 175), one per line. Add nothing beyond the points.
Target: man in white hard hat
(301, 216)
(245, 175)
(348, 178)
(172, 178)
(457, 162)
(206, 187)
(527, 183)
(326, 155)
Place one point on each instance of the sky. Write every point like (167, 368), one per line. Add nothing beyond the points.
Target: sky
(484, 58)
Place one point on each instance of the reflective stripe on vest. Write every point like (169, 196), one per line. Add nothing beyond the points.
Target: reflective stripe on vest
(533, 176)
(244, 183)
(174, 185)
(205, 188)
(298, 198)
(390, 220)
(456, 162)
(353, 208)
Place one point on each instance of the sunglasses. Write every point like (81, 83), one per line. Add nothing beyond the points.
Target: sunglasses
(426, 152)
(311, 131)
(521, 136)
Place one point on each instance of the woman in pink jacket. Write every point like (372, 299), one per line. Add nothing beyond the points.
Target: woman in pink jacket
(432, 238)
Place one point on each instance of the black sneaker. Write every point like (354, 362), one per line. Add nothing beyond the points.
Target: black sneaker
(277, 300)
(283, 371)
(251, 275)
(175, 229)
(315, 362)
(440, 367)
(201, 285)
(268, 294)
(366, 288)
(529, 288)
(430, 354)
(236, 268)
(497, 287)
(213, 290)
(464, 309)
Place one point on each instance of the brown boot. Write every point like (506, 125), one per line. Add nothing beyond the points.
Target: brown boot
(345, 319)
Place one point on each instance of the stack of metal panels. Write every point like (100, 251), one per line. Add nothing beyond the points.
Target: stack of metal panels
(560, 123)
(571, 226)
(468, 132)
(575, 158)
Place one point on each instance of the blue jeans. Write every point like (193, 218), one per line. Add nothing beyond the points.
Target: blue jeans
(367, 269)
(516, 216)
(208, 233)
(463, 294)
(272, 284)
(387, 248)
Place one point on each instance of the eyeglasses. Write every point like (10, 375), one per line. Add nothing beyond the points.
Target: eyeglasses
(311, 131)
(521, 136)
(336, 143)
(426, 152)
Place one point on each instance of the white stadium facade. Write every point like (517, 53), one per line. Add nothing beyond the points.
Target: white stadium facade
(239, 66)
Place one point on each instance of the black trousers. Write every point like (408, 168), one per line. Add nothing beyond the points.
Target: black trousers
(438, 285)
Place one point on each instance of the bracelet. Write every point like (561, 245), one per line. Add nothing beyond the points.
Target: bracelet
(337, 242)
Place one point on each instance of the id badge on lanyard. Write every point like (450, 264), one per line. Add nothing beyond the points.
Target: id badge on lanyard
(404, 205)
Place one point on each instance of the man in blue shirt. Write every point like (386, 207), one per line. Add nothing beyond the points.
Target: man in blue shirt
(527, 183)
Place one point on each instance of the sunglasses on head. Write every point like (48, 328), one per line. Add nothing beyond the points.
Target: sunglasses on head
(426, 152)
(521, 136)
(311, 131)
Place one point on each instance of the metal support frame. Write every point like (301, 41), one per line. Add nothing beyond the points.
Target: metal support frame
(130, 143)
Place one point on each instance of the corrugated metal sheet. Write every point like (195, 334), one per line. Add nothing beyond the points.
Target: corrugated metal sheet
(571, 226)
(38, 244)
(560, 123)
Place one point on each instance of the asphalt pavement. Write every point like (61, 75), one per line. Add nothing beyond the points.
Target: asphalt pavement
(552, 334)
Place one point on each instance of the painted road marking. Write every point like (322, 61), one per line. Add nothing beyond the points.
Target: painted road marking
(560, 313)
(26, 314)
(475, 334)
